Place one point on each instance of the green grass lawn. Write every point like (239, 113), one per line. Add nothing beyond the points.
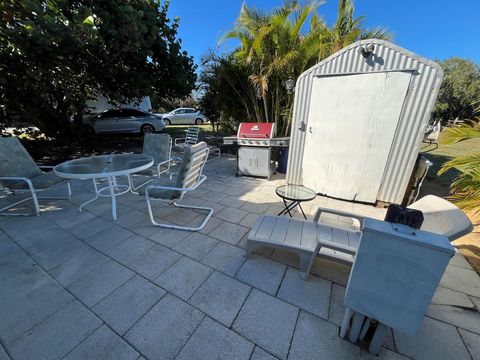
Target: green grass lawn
(176, 130)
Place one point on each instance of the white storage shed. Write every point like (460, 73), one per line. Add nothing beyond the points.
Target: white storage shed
(359, 120)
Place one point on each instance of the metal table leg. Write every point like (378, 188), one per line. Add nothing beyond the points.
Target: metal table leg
(288, 207)
(112, 190)
(291, 206)
(300, 206)
(112, 184)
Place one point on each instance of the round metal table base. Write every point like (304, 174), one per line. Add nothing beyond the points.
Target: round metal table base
(113, 190)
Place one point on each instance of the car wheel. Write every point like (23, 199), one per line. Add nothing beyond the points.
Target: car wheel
(147, 129)
(199, 121)
(167, 122)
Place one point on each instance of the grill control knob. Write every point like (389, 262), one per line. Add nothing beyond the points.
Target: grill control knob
(265, 142)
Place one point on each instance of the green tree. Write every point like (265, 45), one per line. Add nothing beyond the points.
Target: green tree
(55, 54)
(460, 90)
(282, 44)
(226, 95)
(465, 189)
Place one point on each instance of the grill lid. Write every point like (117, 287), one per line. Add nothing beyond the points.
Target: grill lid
(256, 130)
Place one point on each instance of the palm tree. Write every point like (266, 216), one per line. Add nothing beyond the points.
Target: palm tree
(284, 43)
(465, 189)
(348, 29)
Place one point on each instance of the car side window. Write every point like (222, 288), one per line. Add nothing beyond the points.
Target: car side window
(108, 114)
(190, 111)
(131, 112)
(180, 112)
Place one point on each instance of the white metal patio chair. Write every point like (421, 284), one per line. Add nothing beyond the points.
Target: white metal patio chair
(191, 137)
(172, 189)
(339, 234)
(159, 147)
(19, 174)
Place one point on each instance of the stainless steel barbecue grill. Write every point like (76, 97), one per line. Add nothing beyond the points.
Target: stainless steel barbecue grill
(255, 142)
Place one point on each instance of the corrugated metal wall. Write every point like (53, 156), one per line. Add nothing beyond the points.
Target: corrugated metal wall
(416, 111)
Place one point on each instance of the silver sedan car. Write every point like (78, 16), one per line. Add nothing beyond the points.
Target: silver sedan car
(124, 121)
(184, 116)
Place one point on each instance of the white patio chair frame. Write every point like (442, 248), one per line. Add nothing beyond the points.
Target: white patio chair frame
(33, 194)
(167, 162)
(198, 169)
(214, 150)
(191, 137)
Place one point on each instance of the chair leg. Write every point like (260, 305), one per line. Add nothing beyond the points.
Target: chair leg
(357, 324)
(133, 188)
(249, 248)
(306, 262)
(35, 212)
(178, 227)
(347, 316)
(36, 207)
(378, 338)
(69, 190)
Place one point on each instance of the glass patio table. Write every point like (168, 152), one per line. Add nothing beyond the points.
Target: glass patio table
(105, 167)
(296, 194)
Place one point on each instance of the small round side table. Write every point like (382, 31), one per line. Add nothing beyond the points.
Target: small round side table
(296, 194)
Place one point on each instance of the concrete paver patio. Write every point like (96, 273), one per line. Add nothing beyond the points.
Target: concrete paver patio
(82, 286)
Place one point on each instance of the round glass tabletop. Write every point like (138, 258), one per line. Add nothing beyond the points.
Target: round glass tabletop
(295, 192)
(104, 166)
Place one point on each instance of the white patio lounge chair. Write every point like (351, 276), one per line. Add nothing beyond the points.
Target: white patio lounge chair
(172, 189)
(19, 174)
(339, 235)
(159, 147)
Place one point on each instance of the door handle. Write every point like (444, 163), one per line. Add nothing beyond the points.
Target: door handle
(250, 162)
(256, 162)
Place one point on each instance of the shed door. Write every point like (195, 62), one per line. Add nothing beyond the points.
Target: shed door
(351, 125)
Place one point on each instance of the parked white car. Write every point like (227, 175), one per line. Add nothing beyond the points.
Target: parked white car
(124, 121)
(184, 116)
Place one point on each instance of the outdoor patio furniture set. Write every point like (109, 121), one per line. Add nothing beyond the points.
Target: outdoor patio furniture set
(342, 235)
(20, 174)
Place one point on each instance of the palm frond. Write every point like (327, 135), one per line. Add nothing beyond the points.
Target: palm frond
(376, 33)
(457, 134)
(260, 84)
(467, 202)
(467, 162)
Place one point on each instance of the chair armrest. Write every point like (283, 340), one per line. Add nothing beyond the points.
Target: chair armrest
(177, 140)
(172, 175)
(166, 162)
(199, 182)
(17, 178)
(346, 214)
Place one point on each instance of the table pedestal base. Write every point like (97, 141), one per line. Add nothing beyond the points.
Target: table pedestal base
(112, 190)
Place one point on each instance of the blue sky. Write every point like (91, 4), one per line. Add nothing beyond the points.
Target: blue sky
(435, 29)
